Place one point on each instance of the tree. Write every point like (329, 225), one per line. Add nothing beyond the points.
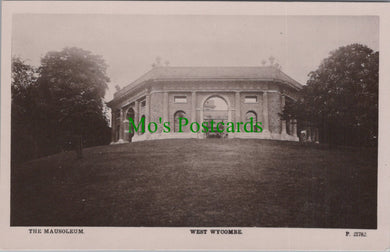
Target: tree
(58, 104)
(341, 97)
(72, 84)
(23, 85)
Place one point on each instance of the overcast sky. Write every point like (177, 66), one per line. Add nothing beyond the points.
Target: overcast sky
(130, 43)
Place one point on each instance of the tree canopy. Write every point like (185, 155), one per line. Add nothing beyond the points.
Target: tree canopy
(341, 97)
(23, 83)
(65, 99)
(74, 82)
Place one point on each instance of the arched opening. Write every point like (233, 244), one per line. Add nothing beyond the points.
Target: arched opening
(130, 115)
(248, 116)
(215, 110)
(179, 114)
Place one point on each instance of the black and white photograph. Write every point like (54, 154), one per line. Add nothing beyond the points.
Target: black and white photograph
(209, 124)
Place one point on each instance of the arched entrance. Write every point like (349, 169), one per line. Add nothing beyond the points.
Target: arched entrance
(179, 114)
(251, 115)
(215, 110)
(130, 114)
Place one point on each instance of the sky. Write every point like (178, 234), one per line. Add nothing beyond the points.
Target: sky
(130, 44)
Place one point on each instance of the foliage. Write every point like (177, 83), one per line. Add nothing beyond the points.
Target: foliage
(23, 85)
(64, 102)
(73, 82)
(341, 97)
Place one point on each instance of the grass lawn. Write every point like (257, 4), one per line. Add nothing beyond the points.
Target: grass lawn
(210, 182)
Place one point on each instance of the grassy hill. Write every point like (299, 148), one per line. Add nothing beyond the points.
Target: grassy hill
(211, 182)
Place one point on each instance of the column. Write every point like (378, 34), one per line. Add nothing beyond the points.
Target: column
(265, 112)
(309, 134)
(200, 120)
(136, 115)
(193, 107)
(283, 121)
(284, 132)
(290, 127)
(237, 102)
(165, 107)
(121, 130)
(126, 125)
(238, 106)
(295, 127)
(147, 112)
(112, 126)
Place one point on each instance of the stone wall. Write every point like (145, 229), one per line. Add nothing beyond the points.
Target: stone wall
(274, 108)
(162, 104)
(156, 109)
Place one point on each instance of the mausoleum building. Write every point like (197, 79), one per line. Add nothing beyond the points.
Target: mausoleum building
(202, 94)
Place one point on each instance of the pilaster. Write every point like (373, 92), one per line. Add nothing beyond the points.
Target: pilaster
(136, 115)
(147, 113)
(113, 127)
(284, 131)
(265, 113)
(165, 107)
(193, 107)
(295, 127)
(237, 102)
(121, 127)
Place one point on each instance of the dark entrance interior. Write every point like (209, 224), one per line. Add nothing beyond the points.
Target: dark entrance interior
(215, 109)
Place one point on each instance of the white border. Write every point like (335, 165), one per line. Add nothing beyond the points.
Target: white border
(180, 238)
